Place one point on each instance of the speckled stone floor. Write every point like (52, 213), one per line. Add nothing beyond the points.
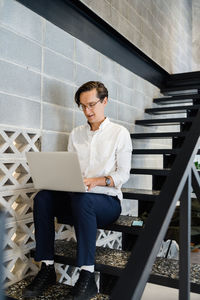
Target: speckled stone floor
(56, 292)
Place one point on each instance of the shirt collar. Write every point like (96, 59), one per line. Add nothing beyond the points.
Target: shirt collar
(102, 125)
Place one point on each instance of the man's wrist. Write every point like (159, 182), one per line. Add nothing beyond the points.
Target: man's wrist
(107, 181)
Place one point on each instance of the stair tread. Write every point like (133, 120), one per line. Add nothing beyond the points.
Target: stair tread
(164, 267)
(140, 194)
(155, 151)
(168, 121)
(157, 135)
(186, 87)
(52, 293)
(140, 191)
(126, 220)
(185, 75)
(170, 268)
(180, 97)
(150, 171)
(117, 260)
(158, 151)
(171, 109)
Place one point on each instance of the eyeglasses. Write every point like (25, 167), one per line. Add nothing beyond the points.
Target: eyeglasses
(90, 106)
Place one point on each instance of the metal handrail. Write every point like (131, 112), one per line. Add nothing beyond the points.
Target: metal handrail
(134, 277)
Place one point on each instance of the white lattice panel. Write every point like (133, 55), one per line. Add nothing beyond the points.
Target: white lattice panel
(16, 199)
(15, 142)
(18, 204)
(63, 231)
(14, 174)
(17, 267)
(108, 238)
(69, 275)
(19, 237)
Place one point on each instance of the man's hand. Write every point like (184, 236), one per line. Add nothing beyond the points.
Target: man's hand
(100, 181)
(91, 182)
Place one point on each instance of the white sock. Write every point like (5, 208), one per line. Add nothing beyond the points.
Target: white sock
(88, 268)
(48, 262)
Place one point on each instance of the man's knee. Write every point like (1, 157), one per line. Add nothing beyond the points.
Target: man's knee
(42, 198)
(81, 201)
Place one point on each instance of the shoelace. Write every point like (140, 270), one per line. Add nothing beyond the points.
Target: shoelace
(81, 284)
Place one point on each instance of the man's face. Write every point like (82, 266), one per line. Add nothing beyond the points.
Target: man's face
(93, 112)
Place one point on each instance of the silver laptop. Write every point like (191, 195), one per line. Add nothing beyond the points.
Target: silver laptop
(58, 171)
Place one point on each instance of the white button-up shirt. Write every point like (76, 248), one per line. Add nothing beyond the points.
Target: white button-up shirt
(104, 152)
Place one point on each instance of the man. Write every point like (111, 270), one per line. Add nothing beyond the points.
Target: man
(104, 150)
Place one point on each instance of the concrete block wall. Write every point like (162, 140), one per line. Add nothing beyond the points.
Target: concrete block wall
(196, 35)
(41, 66)
(161, 29)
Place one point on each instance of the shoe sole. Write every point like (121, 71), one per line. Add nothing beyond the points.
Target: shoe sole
(34, 295)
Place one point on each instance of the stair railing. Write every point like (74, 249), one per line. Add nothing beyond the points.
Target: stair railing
(177, 186)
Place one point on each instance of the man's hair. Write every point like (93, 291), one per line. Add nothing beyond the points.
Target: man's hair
(102, 91)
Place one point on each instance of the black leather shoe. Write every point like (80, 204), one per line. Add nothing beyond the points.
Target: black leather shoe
(85, 287)
(45, 278)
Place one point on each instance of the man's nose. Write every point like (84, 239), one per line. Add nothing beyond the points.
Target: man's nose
(87, 108)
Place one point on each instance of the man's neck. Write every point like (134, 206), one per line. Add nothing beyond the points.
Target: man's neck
(95, 126)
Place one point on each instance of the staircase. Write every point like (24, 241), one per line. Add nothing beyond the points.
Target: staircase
(181, 96)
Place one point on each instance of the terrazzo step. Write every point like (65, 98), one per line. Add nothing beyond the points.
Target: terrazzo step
(171, 109)
(177, 99)
(147, 171)
(163, 122)
(165, 272)
(53, 293)
(140, 194)
(123, 224)
(113, 261)
(157, 135)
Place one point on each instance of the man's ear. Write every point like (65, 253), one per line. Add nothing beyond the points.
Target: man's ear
(105, 100)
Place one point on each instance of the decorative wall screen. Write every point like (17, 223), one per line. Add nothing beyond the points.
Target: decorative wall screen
(16, 195)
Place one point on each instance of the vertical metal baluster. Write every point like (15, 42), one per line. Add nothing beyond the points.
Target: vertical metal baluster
(185, 237)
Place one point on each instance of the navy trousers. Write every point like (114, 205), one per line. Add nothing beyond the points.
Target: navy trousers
(86, 211)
